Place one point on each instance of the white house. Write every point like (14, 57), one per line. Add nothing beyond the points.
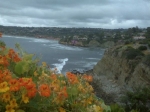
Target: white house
(139, 37)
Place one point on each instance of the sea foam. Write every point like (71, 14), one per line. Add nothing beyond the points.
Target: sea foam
(60, 65)
(93, 58)
(63, 47)
(40, 40)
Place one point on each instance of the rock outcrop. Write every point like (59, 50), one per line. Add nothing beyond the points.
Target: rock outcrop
(116, 74)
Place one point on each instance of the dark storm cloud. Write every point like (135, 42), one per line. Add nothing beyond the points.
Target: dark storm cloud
(76, 13)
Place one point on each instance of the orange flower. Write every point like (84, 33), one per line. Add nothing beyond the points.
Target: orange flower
(1, 76)
(14, 85)
(88, 78)
(62, 109)
(35, 74)
(53, 77)
(9, 108)
(11, 52)
(13, 55)
(25, 98)
(4, 61)
(7, 75)
(4, 87)
(29, 85)
(31, 89)
(72, 78)
(25, 81)
(13, 103)
(62, 95)
(6, 97)
(54, 86)
(44, 90)
(16, 58)
(31, 93)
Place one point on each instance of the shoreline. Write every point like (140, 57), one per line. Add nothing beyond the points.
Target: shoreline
(64, 43)
(82, 46)
(55, 39)
(48, 38)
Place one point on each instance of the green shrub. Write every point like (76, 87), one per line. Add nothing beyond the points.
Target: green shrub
(148, 44)
(146, 60)
(141, 42)
(142, 48)
(134, 111)
(131, 53)
(137, 101)
(2, 44)
(116, 108)
(127, 42)
(145, 41)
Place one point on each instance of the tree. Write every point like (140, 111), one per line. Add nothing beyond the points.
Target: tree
(148, 32)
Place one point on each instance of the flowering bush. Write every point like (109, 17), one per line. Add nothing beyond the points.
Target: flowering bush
(27, 87)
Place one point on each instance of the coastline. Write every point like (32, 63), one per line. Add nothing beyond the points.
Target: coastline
(65, 43)
(48, 38)
(55, 39)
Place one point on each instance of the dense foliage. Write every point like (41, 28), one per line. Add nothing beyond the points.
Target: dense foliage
(127, 42)
(131, 53)
(148, 32)
(142, 48)
(138, 100)
(116, 108)
(27, 87)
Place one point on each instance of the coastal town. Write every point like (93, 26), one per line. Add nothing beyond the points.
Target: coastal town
(84, 37)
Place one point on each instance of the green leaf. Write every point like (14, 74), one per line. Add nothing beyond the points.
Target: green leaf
(20, 110)
(105, 107)
(73, 91)
(26, 67)
(19, 68)
(22, 67)
(28, 56)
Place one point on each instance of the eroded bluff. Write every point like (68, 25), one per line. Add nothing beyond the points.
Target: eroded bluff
(122, 69)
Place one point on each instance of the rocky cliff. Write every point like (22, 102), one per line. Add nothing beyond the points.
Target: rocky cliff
(122, 69)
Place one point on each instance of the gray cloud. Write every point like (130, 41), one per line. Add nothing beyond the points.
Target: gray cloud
(76, 13)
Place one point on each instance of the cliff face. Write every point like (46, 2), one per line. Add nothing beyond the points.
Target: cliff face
(116, 74)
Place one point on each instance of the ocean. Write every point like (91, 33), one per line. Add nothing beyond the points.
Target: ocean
(64, 58)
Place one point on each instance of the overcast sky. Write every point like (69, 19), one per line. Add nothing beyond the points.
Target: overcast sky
(75, 13)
